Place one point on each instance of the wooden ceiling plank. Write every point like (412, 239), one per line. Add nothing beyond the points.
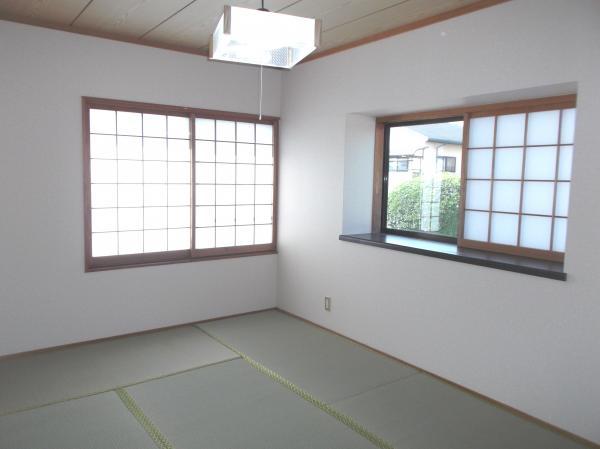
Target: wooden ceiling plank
(55, 12)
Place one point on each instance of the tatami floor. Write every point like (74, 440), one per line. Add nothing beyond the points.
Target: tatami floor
(259, 381)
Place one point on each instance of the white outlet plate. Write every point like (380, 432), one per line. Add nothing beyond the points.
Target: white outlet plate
(328, 303)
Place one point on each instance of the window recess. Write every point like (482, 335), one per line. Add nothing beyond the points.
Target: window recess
(511, 176)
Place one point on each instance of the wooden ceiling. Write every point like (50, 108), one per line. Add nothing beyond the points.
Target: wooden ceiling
(186, 25)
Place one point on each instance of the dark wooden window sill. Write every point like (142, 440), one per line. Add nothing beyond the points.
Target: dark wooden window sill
(449, 251)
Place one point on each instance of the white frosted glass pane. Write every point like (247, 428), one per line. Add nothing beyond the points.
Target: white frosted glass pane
(540, 163)
(244, 194)
(562, 198)
(225, 152)
(179, 217)
(560, 235)
(565, 163)
(129, 147)
(508, 163)
(225, 130)
(511, 130)
(131, 219)
(538, 198)
(244, 215)
(225, 174)
(264, 214)
(178, 239)
(225, 237)
(507, 196)
(205, 195)
(131, 242)
(225, 215)
(103, 171)
(155, 172)
(129, 123)
(103, 147)
(535, 232)
(205, 129)
(542, 128)
(264, 133)
(244, 235)
(205, 216)
(130, 171)
(104, 220)
(179, 150)
(155, 240)
(481, 132)
(104, 244)
(245, 153)
(155, 149)
(205, 238)
(264, 195)
(264, 174)
(155, 195)
(205, 173)
(264, 154)
(263, 234)
(478, 195)
(225, 195)
(480, 164)
(245, 132)
(155, 217)
(131, 195)
(505, 229)
(567, 129)
(179, 194)
(476, 225)
(179, 172)
(102, 122)
(245, 174)
(155, 125)
(178, 127)
(104, 195)
(205, 151)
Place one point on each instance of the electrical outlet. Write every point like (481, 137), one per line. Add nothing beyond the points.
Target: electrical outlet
(328, 303)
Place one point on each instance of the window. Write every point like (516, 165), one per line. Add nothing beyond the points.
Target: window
(170, 184)
(398, 164)
(504, 189)
(425, 201)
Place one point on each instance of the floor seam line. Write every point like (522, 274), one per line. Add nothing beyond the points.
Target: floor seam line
(348, 421)
(108, 390)
(153, 432)
(385, 384)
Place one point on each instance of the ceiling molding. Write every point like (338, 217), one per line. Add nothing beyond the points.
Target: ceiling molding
(482, 4)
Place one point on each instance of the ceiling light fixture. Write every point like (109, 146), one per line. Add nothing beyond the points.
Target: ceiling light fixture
(264, 38)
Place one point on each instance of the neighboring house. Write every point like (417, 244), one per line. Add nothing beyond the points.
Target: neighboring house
(427, 152)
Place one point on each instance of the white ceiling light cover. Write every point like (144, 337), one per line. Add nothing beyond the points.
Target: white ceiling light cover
(251, 36)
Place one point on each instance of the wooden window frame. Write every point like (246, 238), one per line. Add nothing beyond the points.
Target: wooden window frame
(177, 256)
(466, 113)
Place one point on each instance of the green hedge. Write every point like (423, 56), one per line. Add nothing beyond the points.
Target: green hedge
(404, 205)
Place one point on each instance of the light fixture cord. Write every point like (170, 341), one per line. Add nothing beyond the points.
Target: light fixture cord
(260, 95)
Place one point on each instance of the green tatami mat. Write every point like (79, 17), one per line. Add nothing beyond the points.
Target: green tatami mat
(233, 406)
(95, 422)
(326, 365)
(41, 378)
(422, 412)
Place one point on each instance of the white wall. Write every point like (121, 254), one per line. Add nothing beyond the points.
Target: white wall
(530, 342)
(46, 299)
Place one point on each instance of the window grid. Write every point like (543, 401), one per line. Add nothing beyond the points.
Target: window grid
(559, 145)
(107, 203)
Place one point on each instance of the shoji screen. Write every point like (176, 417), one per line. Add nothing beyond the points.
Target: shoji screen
(518, 175)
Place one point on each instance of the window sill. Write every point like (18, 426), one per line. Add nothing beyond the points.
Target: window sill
(449, 251)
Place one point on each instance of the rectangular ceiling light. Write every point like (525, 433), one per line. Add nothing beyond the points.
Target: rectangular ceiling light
(258, 37)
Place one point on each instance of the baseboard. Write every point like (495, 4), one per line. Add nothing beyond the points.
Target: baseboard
(514, 411)
(129, 334)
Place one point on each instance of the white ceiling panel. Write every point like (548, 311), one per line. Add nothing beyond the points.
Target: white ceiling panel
(53, 12)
